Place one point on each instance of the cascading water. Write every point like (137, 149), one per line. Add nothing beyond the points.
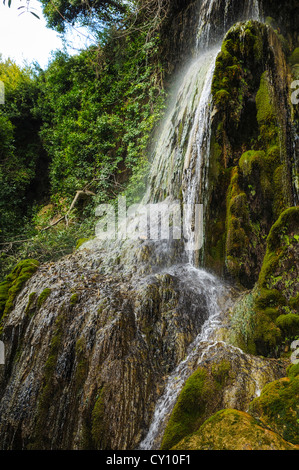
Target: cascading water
(217, 16)
(208, 286)
(179, 143)
(197, 151)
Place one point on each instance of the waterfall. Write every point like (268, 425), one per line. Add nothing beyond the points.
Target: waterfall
(217, 16)
(194, 154)
(197, 156)
(180, 158)
(207, 285)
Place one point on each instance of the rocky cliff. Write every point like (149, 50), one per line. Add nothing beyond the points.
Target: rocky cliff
(95, 341)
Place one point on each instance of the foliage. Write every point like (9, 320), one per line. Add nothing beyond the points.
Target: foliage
(85, 122)
(100, 115)
(21, 155)
(61, 12)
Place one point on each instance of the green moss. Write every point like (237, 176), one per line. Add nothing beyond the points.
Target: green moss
(237, 226)
(271, 22)
(14, 282)
(295, 72)
(81, 241)
(267, 335)
(275, 305)
(98, 431)
(200, 394)
(189, 409)
(47, 393)
(279, 199)
(294, 302)
(294, 58)
(277, 407)
(264, 102)
(74, 299)
(293, 371)
(233, 430)
(278, 242)
(247, 140)
(220, 372)
(222, 97)
(273, 156)
(287, 222)
(43, 297)
(266, 113)
(251, 159)
(269, 298)
(289, 324)
(180, 133)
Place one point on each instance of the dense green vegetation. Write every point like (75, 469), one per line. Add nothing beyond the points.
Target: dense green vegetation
(83, 124)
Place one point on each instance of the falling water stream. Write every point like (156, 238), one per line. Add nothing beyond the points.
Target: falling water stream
(181, 155)
(204, 283)
(211, 288)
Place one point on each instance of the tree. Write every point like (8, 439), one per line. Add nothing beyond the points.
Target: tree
(59, 13)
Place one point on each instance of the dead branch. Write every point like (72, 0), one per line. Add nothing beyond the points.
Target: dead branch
(79, 195)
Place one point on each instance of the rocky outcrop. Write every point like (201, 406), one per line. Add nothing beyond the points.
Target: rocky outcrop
(92, 339)
(251, 180)
(234, 430)
(227, 378)
(269, 423)
(87, 352)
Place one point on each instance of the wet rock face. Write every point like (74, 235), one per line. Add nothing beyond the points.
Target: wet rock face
(184, 17)
(96, 342)
(91, 339)
(191, 24)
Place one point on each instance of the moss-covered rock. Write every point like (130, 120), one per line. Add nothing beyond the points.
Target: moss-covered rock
(99, 422)
(250, 177)
(272, 307)
(43, 297)
(74, 299)
(278, 408)
(228, 378)
(234, 430)
(201, 396)
(293, 370)
(14, 282)
(294, 58)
